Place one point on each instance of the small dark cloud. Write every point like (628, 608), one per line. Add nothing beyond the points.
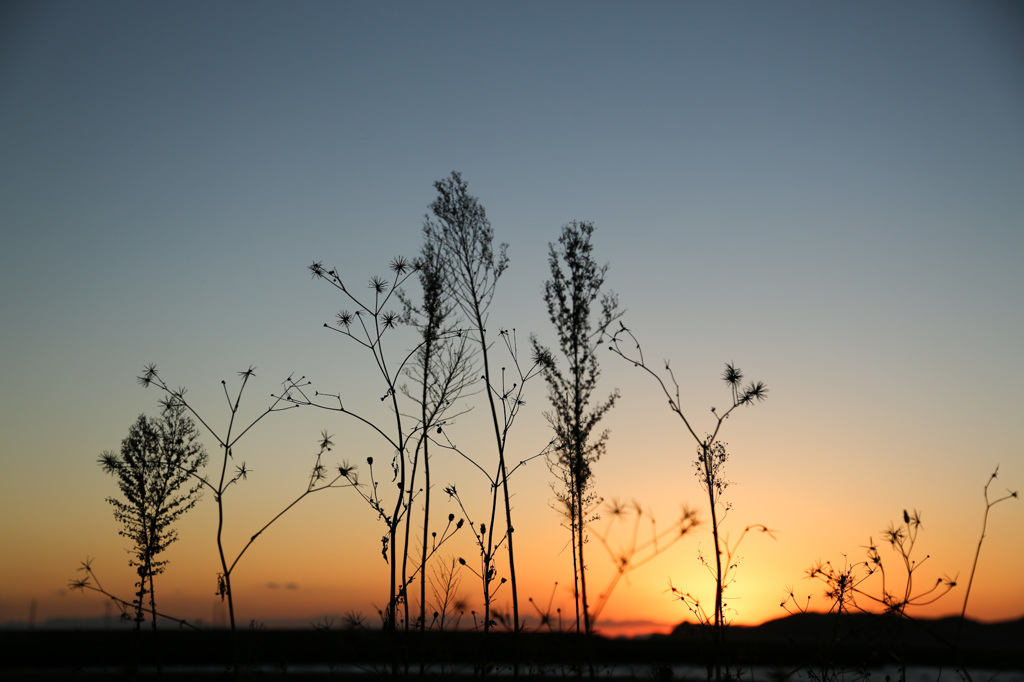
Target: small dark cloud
(272, 586)
(292, 586)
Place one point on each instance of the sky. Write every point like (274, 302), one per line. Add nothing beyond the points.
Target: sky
(828, 195)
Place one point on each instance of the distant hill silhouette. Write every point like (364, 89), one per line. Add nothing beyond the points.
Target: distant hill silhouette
(875, 637)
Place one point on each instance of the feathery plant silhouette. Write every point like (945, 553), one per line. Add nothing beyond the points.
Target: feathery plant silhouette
(462, 234)
(444, 370)
(570, 294)
(157, 459)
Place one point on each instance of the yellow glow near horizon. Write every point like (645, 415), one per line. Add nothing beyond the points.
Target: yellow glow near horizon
(324, 560)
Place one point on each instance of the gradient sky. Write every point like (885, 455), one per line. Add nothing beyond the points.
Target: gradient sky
(830, 195)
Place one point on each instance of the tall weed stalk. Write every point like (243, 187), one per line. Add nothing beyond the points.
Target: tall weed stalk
(442, 373)
(439, 368)
(1010, 494)
(711, 458)
(571, 294)
(462, 234)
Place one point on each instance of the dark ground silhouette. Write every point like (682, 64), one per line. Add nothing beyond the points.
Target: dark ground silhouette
(798, 640)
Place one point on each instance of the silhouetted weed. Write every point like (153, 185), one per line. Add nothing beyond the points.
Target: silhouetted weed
(711, 458)
(156, 460)
(461, 233)
(90, 581)
(440, 363)
(571, 293)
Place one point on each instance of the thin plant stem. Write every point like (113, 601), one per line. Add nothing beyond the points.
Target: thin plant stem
(984, 525)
